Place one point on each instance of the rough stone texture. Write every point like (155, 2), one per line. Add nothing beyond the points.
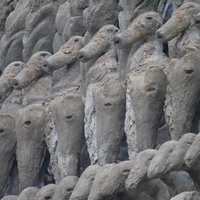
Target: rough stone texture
(183, 95)
(28, 194)
(46, 192)
(30, 132)
(84, 184)
(65, 188)
(8, 147)
(187, 195)
(106, 54)
(70, 130)
(147, 94)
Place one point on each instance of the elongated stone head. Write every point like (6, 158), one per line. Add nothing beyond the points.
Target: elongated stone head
(31, 71)
(180, 21)
(8, 75)
(99, 44)
(66, 55)
(142, 27)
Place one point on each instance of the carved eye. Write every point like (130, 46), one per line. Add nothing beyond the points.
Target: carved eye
(149, 18)
(27, 123)
(69, 117)
(107, 104)
(43, 54)
(189, 71)
(76, 40)
(16, 64)
(47, 198)
(126, 172)
(92, 179)
(110, 30)
(70, 189)
(151, 89)
(1, 131)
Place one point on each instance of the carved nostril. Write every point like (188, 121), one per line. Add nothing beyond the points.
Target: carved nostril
(159, 35)
(15, 83)
(117, 41)
(197, 20)
(45, 66)
(189, 71)
(80, 56)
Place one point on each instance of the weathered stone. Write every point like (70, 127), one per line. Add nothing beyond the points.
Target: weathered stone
(46, 192)
(99, 14)
(11, 43)
(187, 196)
(110, 109)
(107, 175)
(9, 73)
(182, 95)
(138, 172)
(84, 184)
(147, 94)
(158, 163)
(178, 181)
(181, 22)
(192, 156)
(32, 70)
(30, 147)
(28, 194)
(65, 188)
(10, 197)
(65, 55)
(7, 150)
(176, 158)
(99, 44)
(67, 112)
(40, 30)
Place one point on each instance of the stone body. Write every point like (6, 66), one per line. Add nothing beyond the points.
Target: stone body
(181, 30)
(11, 99)
(116, 68)
(68, 116)
(147, 91)
(39, 28)
(31, 148)
(65, 188)
(11, 42)
(84, 184)
(176, 158)
(158, 163)
(187, 195)
(109, 100)
(148, 55)
(46, 192)
(182, 95)
(28, 194)
(8, 148)
(192, 155)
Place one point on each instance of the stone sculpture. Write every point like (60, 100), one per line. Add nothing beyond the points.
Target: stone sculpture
(109, 100)
(8, 148)
(46, 192)
(119, 92)
(30, 126)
